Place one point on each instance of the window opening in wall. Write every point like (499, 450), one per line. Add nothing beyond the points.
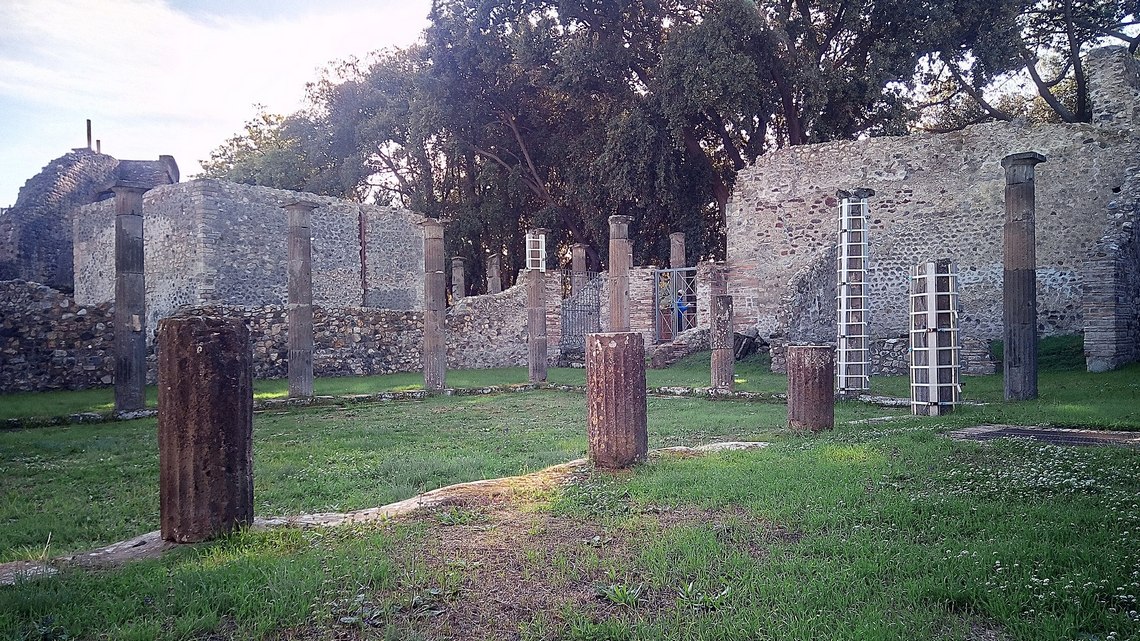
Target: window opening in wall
(675, 291)
(934, 340)
(852, 357)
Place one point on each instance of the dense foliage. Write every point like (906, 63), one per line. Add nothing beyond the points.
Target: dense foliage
(512, 114)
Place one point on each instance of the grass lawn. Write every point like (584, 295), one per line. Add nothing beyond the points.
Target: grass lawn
(878, 530)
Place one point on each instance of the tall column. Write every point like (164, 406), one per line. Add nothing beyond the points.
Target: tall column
(722, 341)
(811, 387)
(494, 279)
(299, 310)
(615, 399)
(130, 299)
(1019, 290)
(458, 278)
(577, 267)
(536, 320)
(677, 250)
(619, 273)
(205, 427)
(435, 310)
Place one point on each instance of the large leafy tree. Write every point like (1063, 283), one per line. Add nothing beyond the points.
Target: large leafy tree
(512, 114)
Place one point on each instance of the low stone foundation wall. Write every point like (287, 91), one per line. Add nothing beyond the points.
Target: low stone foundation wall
(47, 341)
(891, 357)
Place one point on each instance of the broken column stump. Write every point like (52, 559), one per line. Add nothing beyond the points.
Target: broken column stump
(620, 262)
(435, 308)
(811, 387)
(723, 344)
(299, 310)
(205, 427)
(615, 399)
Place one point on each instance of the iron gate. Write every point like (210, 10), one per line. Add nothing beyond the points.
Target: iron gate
(675, 291)
(581, 309)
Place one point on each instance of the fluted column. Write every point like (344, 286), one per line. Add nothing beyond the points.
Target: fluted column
(205, 427)
(458, 278)
(811, 387)
(1019, 288)
(435, 308)
(577, 267)
(677, 250)
(536, 320)
(722, 341)
(494, 277)
(299, 310)
(130, 299)
(615, 399)
(619, 273)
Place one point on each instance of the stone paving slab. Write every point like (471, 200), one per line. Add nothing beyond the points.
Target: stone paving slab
(1056, 436)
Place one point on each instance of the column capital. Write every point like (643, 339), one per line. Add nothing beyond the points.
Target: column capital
(1024, 158)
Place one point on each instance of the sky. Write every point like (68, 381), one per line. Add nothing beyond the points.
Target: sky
(174, 77)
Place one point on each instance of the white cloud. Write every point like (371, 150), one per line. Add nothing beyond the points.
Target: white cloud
(156, 80)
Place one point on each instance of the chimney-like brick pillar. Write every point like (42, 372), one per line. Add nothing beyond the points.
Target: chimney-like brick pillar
(577, 267)
(1019, 290)
(299, 310)
(458, 278)
(435, 307)
(205, 427)
(615, 399)
(619, 273)
(536, 320)
(722, 341)
(130, 299)
(677, 250)
(811, 387)
(494, 274)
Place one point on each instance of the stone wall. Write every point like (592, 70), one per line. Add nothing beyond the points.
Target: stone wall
(936, 196)
(48, 341)
(1112, 286)
(35, 233)
(211, 242)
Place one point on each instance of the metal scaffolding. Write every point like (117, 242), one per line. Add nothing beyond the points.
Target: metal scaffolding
(852, 358)
(934, 340)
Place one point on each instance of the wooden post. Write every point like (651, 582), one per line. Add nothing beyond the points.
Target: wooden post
(677, 250)
(130, 299)
(536, 320)
(577, 267)
(458, 278)
(299, 310)
(811, 387)
(494, 279)
(615, 399)
(205, 427)
(722, 341)
(1019, 289)
(435, 310)
(619, 273)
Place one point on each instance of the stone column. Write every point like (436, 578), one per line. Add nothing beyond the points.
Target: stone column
(615, 399)
(619, 273)
(536, 320)
(677, 250)
(811, 387)
(721, 339)
(205, 427)
(435, 308)
(1019, 290)
(299, 310)
(577, 267)
(718, 279)
(130, 299)
(494, 279)
(458, 278)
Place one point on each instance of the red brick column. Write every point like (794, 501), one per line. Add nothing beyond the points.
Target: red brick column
(205, 427)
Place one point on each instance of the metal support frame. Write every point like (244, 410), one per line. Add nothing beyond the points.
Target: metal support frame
(934, 338)
(675, 291)
(536, 252)
(852, 357)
